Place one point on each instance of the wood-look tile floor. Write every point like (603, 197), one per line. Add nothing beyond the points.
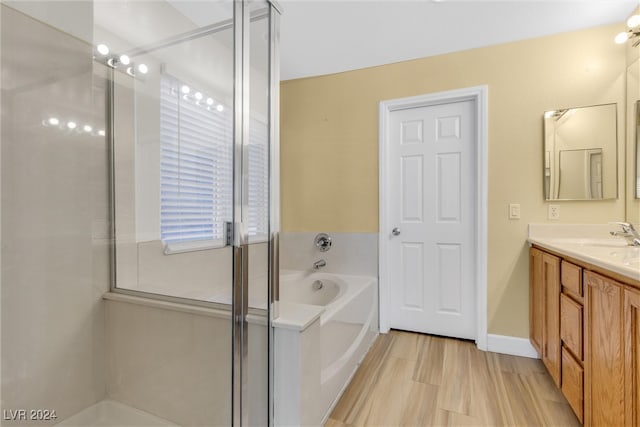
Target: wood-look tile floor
(410, 379)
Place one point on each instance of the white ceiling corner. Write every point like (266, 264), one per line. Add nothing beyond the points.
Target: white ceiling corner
(329, 36)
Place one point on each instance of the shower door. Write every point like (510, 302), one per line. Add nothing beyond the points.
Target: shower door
(190, 88)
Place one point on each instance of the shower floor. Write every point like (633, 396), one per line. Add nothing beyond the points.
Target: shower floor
(108, 413)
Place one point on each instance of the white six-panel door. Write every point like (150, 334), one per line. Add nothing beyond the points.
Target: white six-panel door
(430, 205)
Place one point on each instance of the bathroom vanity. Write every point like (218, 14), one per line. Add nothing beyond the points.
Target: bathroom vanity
(585, 319)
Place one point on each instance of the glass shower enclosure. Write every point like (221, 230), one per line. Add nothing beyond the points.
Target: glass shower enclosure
(139, 211)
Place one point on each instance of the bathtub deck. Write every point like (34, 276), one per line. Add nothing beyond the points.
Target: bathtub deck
(421, 380)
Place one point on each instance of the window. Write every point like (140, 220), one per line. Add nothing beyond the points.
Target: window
(196, 170)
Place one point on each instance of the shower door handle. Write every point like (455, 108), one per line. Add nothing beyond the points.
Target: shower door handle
(396, 231)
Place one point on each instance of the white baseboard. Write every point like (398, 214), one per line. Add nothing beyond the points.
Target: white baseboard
(511, 345)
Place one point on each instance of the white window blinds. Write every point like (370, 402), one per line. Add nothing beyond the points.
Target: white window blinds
(196, 169)
(258, 152)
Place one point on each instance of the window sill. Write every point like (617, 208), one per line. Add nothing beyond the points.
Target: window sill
(198, 245)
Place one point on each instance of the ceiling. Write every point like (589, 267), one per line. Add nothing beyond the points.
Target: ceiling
(329, 36)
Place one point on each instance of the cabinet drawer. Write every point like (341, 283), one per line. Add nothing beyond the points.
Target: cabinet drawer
(572, 383)
(571, 277)
(571, 325)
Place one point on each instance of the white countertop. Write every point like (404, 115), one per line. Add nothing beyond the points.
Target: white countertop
(591, 244)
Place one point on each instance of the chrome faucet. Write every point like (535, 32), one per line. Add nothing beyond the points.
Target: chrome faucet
(629, 233)
(319, 264)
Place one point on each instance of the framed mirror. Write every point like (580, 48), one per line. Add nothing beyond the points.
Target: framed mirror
(580, 153)
(637, 140)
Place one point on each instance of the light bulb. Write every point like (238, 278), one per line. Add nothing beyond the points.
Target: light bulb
(220, 108)
(185, 89)
(198, 96)
(125, 60)
(53, 121)
(101, 132)
(87, 128)
(621, 38)
(71, 125)
(633, 21)
(143, 68)
(209, 101)
(102, 49)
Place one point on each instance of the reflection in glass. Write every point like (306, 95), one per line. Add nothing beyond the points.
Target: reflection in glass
(580, 174)
(580, 158)
(172, 131)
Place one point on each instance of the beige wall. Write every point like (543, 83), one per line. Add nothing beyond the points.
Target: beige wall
(329, 143)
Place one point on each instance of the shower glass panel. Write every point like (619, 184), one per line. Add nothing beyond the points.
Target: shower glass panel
(190, 112)
(256, 154)
(172, 111)
(137, 207)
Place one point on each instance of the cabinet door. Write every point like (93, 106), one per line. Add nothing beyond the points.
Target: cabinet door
(551, 327)
(536, 299)
(573, 383)
(571, 278)
(571, 325)
(632, 356)
(604, 363)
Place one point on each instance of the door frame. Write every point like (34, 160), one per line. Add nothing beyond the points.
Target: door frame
(479, 94)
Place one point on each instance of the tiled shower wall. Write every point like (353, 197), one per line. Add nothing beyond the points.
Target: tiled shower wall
(350, 253)
(55, 257)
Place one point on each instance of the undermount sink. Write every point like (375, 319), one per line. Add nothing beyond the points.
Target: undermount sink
(629, 255)
(608, 242)
(591, 244)
(608, 249)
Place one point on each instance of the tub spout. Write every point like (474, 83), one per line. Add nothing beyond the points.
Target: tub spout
(319, 264)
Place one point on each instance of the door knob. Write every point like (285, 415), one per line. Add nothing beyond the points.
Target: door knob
(395, 231)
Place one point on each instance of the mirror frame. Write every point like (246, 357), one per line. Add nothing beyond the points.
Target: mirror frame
(616, 172)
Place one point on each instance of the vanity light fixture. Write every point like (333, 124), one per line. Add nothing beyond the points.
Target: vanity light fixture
(102, 49)
(198, 97)
(120, 61)
(71, 125)
(632, 33)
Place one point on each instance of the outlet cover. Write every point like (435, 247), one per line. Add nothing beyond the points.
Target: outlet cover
(554, 212)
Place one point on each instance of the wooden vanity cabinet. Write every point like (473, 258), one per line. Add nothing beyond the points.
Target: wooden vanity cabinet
(632, 356)
(572, 336)
(604, 352)
(545, 310)
(536, 299)
(586, 327)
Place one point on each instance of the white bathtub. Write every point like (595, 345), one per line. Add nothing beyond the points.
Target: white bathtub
(348, 325)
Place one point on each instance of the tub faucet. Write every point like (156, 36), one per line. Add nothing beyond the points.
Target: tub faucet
(629, 233)
(319, 264)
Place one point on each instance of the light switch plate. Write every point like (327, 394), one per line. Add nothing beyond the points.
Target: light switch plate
(514, 210)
